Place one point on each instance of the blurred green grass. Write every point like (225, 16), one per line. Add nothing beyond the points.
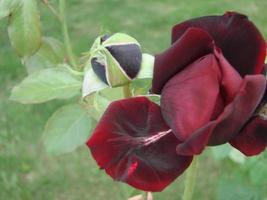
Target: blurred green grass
(27, 172)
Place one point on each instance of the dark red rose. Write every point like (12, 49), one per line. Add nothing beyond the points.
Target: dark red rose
(212, 92)
(134, 145)
(211, 83)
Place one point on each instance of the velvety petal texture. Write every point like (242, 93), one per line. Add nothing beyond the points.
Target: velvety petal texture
(241, 42)
(208, 102)
(193, 44)
(189, 98)
(133, 144)
(198, 94)
(252, 139)
(230, 121)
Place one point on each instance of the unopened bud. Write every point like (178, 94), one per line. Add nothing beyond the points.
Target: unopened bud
(116, 59)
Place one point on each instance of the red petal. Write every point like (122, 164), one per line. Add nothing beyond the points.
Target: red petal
(252, 140)
(193, 44)
(231, 80)
(134, 145)
(231, 120)
(241, 42)
(189, 98)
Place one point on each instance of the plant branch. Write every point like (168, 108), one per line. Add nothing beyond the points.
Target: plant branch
(67, 43)
(52, 9)
(190, 180)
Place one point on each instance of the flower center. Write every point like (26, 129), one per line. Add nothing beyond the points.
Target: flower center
(142, 141)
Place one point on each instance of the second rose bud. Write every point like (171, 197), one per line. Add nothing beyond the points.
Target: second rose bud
(116, 59)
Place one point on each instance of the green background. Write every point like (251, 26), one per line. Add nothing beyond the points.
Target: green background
(28, 172)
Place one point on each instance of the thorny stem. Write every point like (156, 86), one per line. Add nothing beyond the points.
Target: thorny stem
(62, 8)
(190, 180)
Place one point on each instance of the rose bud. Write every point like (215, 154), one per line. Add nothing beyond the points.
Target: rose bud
(116, 59)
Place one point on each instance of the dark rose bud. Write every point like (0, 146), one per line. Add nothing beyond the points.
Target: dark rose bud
(116, 59)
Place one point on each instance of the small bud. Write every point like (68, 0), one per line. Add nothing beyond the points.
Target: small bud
(116, 59)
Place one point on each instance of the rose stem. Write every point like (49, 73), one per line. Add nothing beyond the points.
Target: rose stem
(190, 180)
(126, 91)
(149, 196)
(62, 8)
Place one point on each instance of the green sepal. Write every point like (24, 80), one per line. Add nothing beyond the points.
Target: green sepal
(114, 73)
(147, 66)
(119, 39)
(91, 83)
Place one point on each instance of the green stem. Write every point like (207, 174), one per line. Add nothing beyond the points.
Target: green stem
(126, 91)
(190, 180)
(62, 8)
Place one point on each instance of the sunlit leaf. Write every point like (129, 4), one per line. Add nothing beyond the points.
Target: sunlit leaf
(67, 129)
(46, 85)
(50, 54)
(24, 28)
(7, 7)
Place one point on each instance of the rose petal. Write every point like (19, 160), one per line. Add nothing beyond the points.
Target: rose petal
(231, 80)
(241, 42)
(134, 145)
(252, 140)
(189, 98)
(193, 44)
(231, 120)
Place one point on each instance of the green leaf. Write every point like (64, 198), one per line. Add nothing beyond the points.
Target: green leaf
(115, 74)
(45, 85)
(50, 54)
(24, 28)
(96, 105)
(7, 7)
(118, 39)
(67, 129)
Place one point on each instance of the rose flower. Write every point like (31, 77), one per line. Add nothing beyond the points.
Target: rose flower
(212, 91)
